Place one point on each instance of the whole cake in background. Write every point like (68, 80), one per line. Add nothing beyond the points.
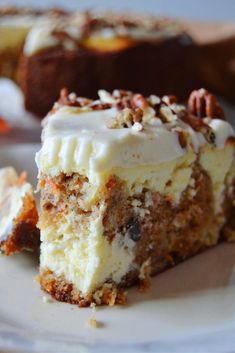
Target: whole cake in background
(86, 51)
(45, 51)
(130, 186)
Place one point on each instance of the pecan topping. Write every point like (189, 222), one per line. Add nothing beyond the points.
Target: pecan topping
(138, 101)
(182, 139)
(199, 126)
(72, 100)
(204, 104)
(64, 98)
(169, 99)
(127, 118)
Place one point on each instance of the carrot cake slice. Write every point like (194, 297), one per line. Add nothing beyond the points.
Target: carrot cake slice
(130, 186)
(18, 213)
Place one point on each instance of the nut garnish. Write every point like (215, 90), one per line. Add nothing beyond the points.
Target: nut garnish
(106, 97)
(126, 118)
(204, 104)
(71, 99)
(167, 115)
(135, 111)
(169, 99)
(182, 138)
(199, 126)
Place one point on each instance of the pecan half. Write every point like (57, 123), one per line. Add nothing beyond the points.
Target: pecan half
(204, 104)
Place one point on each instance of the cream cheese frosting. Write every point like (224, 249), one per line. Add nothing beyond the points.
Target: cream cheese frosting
(80, 141)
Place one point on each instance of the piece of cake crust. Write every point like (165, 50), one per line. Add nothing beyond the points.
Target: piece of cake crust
(130, 186)
(18, 214)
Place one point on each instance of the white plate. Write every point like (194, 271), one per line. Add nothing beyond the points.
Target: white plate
(190, 308)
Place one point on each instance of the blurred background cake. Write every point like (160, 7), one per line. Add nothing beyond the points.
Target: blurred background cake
(45, 50)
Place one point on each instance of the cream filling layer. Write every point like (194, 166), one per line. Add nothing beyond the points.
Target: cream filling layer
(86, 258)
(218, 163)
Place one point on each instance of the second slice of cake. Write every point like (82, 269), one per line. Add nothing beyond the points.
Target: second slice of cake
(129, 187)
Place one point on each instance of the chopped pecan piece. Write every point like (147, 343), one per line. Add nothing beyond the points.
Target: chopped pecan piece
(72, 100)
(182, 139)
(126, 118)
(198, 125)
(204, 104)
(138, 101)
(169, 99)
(65, 100)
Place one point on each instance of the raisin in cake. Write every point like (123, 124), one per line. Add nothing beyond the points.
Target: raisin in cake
(18, 213)
(130, 186)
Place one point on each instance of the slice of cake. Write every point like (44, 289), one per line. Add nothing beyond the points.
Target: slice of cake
(18, 213)
(130, 186)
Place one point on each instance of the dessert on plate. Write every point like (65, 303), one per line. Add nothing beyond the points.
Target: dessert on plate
(130, 186)
(18, 213)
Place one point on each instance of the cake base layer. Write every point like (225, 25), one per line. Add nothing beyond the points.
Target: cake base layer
(62, 290)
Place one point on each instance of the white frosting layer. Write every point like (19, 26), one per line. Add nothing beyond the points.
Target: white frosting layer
(222, 130)
(39, 38)
(76, 141)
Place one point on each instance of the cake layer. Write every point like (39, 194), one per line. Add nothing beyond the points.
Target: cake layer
(130, 186)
